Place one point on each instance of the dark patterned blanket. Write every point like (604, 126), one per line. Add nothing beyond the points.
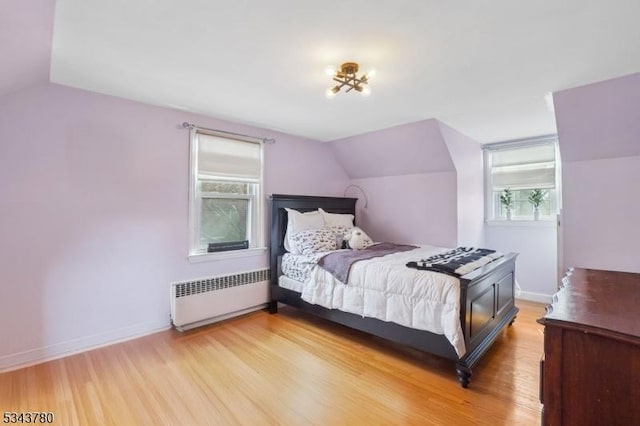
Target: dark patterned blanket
(339, 263)
(457, 262)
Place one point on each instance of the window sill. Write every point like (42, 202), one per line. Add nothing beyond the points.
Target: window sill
(542, 223)
(222, 255)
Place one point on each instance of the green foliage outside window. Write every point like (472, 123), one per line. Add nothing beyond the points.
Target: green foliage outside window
(224, 187)
(224, 215)
(223, 220)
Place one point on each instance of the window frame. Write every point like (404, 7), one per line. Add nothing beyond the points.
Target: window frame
(255, 221)
(554, 194)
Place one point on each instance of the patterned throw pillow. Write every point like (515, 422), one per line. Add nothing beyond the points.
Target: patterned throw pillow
(313, 241)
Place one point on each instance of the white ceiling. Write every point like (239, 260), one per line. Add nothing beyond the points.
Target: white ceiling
(481, 66)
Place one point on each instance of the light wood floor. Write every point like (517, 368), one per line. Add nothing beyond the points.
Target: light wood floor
(285, 369)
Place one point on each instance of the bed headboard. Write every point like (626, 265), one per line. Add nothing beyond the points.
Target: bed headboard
(303, 203)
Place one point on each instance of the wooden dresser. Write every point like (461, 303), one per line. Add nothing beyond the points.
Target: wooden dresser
(590, 374)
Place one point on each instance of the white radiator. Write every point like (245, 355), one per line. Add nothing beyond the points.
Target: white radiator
(200, 302)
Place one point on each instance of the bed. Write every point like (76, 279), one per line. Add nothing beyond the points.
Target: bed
(486, 295)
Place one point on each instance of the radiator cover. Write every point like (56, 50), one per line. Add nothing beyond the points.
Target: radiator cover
(199, 302)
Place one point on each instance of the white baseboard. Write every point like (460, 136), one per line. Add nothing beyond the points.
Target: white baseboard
(535, 297)
(72, 347)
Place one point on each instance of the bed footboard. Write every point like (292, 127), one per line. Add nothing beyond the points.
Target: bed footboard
(487, 305)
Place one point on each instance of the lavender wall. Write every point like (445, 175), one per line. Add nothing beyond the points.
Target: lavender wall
(599, 133)
(410, 182)
(600, 214)
(600, 120)
(414, 209)
(26, 29)
(94, 215)
(467, 158)
(536, 245)
(408, 149)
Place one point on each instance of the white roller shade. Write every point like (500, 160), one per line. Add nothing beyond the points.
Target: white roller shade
(221, 158)
(524, 168)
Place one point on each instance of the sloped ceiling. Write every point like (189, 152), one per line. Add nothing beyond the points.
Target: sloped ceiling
(408, 149)
(600, 120)
(26, 30)
(482, 67)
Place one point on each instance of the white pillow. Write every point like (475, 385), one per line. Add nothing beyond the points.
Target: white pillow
(300, 222)
(336, 219)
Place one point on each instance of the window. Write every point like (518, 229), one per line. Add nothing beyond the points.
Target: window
(225, 196)
(522, 167)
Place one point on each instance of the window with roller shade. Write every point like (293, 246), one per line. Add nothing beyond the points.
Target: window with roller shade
(226, 186)
(522, 167)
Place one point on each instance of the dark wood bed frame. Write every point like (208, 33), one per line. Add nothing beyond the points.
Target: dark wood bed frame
(486, 296)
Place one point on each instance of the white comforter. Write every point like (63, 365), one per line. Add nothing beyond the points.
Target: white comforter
(386, 289)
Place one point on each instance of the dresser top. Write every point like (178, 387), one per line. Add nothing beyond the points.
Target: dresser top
(605, 300)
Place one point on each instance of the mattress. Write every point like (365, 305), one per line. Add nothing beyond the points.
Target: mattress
(386, 289)
(290, 284)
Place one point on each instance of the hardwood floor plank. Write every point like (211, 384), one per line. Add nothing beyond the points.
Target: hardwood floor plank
(288, 369)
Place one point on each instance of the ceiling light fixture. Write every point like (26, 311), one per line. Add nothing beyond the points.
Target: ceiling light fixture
(347, 76)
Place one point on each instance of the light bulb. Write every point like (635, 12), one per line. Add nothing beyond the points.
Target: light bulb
(366, 91)
(330, 70)
(372, 72)
(331, 92)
